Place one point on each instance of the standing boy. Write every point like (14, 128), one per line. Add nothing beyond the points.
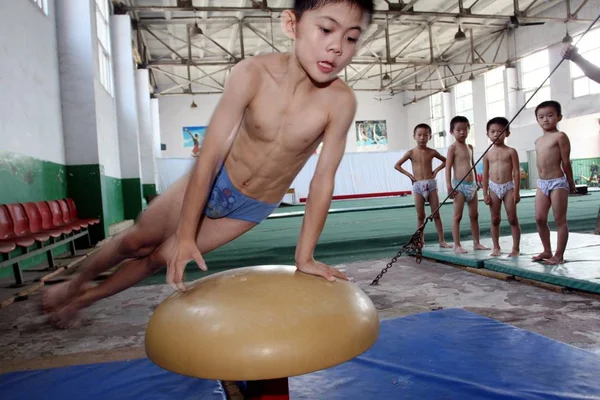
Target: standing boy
(553, 162)
(423, 179)
(460, 162)
(502, 183)
(274, 112)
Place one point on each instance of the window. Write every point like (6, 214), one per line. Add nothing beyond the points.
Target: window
(463, 97)
(42, 4)
(494, 93)
(535, 68)
(436, 105)
(589, 48)
(104, 49)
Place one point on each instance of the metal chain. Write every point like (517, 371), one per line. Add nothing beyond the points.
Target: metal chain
(413, 248)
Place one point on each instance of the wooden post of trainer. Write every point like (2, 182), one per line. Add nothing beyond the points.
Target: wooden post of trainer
(261, 325)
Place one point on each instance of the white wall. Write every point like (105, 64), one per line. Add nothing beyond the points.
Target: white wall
(30, 115)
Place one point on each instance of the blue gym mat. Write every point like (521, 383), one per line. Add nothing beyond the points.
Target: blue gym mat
(455, 354)
(137, 379)
(446, 354)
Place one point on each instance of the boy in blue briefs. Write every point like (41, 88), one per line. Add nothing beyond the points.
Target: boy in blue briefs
(459, 161)
(274, 112)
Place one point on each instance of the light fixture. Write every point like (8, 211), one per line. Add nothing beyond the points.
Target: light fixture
(567, 39)
(460, 35)
(193, 105)
(386, 80)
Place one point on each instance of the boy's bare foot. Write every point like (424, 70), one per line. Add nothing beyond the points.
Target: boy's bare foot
(479, 246)
(554, 261)
(445, 245)
(542, 256)
(460, 250)
(495, 253)
(66, 317)
(55, 296)
(514, 253)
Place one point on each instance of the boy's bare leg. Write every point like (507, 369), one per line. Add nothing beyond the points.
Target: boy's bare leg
(420, 207)
(474, 217)
(434, 203)
(513, 220)
(459, 204)
(542, 207)
(211, 235)
(154, 225)
(496, 214)
(560, 199)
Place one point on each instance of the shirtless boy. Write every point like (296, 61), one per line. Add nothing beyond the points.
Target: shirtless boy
(460, 161)
(274, 112)
(502, 183)
(423, 178)
(553, 162)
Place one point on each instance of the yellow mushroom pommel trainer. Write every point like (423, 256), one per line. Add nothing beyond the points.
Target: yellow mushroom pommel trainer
(261, 323)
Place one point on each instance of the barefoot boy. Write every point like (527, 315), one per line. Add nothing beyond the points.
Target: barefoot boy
(502, 183)
(460, 162)
(553, 151)
(423, 178)
(274, 112)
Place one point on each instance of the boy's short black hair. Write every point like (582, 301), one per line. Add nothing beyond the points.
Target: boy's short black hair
(459, 119)
(424, 126)
(550, 103)
(503, 122)
(300, 6)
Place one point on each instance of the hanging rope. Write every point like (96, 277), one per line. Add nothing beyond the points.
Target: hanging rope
(414, 246)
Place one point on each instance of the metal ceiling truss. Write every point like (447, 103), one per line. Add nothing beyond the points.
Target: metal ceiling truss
(402, 42)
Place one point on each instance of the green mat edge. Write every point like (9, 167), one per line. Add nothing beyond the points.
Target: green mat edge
(453, 258)
(500, 266)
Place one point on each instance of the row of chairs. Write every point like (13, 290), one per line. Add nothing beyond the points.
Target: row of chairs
(24, 224)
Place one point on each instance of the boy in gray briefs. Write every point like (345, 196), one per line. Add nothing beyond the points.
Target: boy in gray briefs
(423, 180)
(502, 183)
(553, 162)
(460, 162)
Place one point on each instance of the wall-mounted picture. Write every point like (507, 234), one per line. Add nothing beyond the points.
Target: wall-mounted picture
(371, 136)
(193, 136)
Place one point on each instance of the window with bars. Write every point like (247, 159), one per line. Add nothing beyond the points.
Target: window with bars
(463, 99)
(589, 48)
(494, 93)
(534, 69)
(104, 48)
(436, 105)
(42, 4)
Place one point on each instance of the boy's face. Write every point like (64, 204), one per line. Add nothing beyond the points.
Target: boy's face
(548, 118)
(460, 131)
(422, 136)
(495, 131)
(326, 38)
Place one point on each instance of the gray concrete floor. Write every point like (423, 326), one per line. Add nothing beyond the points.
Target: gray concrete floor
(113, 329)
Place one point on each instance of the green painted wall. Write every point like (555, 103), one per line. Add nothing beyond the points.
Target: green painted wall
(149, 190)
(112, 200)
(132, 197)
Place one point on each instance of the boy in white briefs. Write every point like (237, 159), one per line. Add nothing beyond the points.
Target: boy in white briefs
(553, 159)
(423, 178)
(502, 184)
(460, 162)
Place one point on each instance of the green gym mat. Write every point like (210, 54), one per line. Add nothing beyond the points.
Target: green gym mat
(580, 271)
(530, 246)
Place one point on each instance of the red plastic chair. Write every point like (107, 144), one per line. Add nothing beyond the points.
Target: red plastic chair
(47, 219)
(20, 226)
(66, 213)
(6, 232)
(57, 216)
(75, 217)
(36, 221)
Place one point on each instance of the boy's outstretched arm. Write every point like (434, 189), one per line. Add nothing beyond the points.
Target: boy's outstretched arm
(485, 180)
(442, 165)
(240, 88)
(398, 166)
(321, 189)
(449, 163)
(565, 157)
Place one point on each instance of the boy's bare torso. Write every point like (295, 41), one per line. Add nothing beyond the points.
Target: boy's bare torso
(421, 159)
(281, 129)
(500, 164)
(548, 157)
(463, 161)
